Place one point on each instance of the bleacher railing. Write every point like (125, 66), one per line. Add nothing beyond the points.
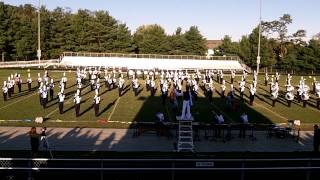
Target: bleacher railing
(150, 56)
(31, 63)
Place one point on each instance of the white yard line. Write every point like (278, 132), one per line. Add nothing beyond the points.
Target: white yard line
(115, 106)
(18, 101)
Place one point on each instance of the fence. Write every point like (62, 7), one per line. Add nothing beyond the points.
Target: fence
(308, 167)
(150, 56)
(33, 63)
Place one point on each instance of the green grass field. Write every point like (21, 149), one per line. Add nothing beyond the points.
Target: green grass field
(117, 112)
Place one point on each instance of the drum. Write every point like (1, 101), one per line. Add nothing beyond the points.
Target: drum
(289, 96)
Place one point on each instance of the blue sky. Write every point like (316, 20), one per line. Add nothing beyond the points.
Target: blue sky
(215, 18)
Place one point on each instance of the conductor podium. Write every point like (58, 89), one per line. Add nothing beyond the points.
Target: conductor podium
(185, 135)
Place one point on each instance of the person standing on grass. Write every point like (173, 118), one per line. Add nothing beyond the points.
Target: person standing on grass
(29, 81)
(39, 80)
(316, 139)
(44, 96)
(61, 97)
(51, 86)
(77, 101)
(96, 101)
(34, 141)
(121, 85)
(233, 75)
(5, 91)
(164, 92)
(19, 82)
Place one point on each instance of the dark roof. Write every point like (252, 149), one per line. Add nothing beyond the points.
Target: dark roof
(212, 44)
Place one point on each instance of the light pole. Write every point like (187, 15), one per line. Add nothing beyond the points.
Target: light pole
(258, 57)
(39, 47)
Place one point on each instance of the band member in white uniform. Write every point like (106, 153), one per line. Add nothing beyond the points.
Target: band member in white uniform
(252, 93)
(19, 82)
(77, 101)
(44, 96)
(29, 81)
(5, 91)
(266, 79)
(61, 97)
(242, 87)
(121, 85)
(51, 89)
(39, 80)
(274, 93)
(96, 101)
(223, 89)
(233, 75)
(164, 92)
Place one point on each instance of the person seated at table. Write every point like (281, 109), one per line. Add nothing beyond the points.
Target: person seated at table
(219, 121)
(243, 125)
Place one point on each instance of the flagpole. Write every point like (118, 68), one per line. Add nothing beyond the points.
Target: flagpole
(259, 41)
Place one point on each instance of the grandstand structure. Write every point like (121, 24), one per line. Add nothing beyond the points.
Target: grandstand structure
(153, 61)
(136, 62)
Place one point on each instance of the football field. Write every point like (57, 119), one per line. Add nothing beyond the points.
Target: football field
(120, 112)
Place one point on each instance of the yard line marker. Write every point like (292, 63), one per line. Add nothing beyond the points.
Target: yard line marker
(115, 106)
(18, 101)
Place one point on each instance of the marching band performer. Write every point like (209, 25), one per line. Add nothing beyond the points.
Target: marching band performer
(223, 88)
(40, 90)
(271, 84)
(164, 92)
(277, 77)
(195, 88)
(242, 88)
(255, 75)
(152, 86)
(64, 80)
(210, 92)
(317, 92)
(231, 91)
(61, 97)
(289, 77)
(44, 96)
(96, 101)
(51, 89)
(221, 77)
(314, 84)
(12, 81)
(274, 93)
(135, 86)
(252, 93)
(266, 79)
(19, 82)
(148, 82)
(77, 101)
(39, 80)
(289, 94)
(29, 81)
(233, 75)
(114, 81)
(5, 91)
(121, 85)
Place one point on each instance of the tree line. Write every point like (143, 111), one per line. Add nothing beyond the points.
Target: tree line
(90, 31)
(279, 49)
